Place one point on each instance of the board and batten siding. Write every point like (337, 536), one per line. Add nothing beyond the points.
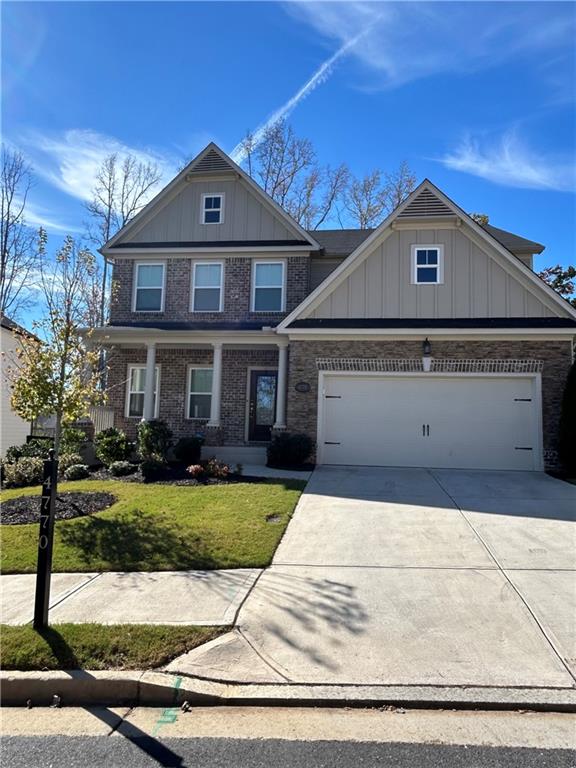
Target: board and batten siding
(475, 283)
(245, 217)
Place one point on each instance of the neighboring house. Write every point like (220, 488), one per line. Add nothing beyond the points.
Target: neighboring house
(428, 341)
(13, 429)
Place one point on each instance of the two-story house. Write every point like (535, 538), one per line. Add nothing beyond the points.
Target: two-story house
(428, 341)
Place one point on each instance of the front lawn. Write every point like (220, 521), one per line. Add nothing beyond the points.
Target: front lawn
(99, 646)
(160, 528)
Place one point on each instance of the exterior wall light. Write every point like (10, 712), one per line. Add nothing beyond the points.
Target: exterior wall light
(426, 355)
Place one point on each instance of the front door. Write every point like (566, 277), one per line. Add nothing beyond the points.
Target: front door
(262, 404)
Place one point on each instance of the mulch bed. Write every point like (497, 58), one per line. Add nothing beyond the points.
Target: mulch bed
(26, 509)
(174, 474)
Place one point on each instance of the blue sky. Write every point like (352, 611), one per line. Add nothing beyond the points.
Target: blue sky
(478, 97)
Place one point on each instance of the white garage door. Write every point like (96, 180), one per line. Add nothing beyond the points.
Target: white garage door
(435, 421)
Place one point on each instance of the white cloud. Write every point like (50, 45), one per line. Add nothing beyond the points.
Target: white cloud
(320, 76)
(71, 161)
(511, 163)
(410, 40)
(38, 217)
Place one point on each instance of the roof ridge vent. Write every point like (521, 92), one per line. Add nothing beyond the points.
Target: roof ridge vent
(426, 204)
(212, 162)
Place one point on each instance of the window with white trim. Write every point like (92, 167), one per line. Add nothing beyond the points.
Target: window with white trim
(427, 264)
(149, 287)
(268, 286)
(136, 387)
(207, 287)
(212, 208)
(199, 393)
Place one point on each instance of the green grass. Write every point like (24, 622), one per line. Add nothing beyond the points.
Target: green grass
(98, 646)
(160, 527)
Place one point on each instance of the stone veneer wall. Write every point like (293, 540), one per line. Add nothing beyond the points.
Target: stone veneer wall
(302, 408)
(237, 291)
(174, 382)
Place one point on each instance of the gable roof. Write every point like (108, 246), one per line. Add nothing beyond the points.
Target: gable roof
(211, 160)
(426, 197)
(12, 325)
(342, 242)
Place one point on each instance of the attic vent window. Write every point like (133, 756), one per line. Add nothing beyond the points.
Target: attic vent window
(427, 264)
(212, 209)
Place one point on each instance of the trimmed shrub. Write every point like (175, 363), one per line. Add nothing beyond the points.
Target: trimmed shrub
(567, 438)
(211, 468)
(121, 468)
(66, 460)
(188, 449)
(77, 472)
(154, 439)
(28, 470)
(289, 450)
(152, 468)
(72, 440)
(37, 449)
(112, 445)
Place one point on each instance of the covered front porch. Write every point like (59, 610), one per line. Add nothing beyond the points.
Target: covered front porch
(229, 387)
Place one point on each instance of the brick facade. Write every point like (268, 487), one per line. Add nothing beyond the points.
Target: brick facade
(237, 291)
(302, 408)
(173, 365)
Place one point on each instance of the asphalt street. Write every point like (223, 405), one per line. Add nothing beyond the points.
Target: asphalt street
(141, 752)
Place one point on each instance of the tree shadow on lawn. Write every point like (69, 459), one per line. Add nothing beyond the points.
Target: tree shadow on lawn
(136, 541)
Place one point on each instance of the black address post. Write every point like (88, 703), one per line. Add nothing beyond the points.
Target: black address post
(45, 542)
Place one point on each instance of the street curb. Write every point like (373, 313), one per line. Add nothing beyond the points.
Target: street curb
(162, 689)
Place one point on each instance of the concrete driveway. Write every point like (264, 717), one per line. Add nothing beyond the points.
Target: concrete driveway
(414, 577)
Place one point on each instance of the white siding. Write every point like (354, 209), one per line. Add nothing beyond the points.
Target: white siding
(477, 283)
(13, 429)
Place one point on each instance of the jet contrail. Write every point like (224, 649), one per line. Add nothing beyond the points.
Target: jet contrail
(319, 77)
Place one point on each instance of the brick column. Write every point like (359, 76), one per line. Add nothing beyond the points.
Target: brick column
(280, 421)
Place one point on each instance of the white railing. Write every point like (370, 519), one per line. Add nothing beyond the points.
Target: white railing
(102, 417)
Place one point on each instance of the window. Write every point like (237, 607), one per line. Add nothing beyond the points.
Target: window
(149, 288)
(268, 291)
(199, 393)
(427, 264)
(136, 389)
(207, 288)
(212, 209)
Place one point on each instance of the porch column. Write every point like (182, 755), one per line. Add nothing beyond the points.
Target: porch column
(280, 422)
(216, 387)
(148, 412)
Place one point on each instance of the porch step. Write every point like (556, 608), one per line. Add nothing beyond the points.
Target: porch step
(236, 454)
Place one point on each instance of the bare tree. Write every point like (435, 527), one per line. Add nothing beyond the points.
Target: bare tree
(286, 167)
(18, 255)
(121, 189)
(369, 199)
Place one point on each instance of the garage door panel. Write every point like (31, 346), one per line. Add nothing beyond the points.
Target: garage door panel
(460, 422)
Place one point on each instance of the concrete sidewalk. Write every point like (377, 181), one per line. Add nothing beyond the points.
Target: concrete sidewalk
(210, 598)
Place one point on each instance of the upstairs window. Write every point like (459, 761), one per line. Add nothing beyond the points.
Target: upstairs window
(212, 209)
(268, 287)
(207, 287)
(199, 393)
(427, 266)
(149, 288)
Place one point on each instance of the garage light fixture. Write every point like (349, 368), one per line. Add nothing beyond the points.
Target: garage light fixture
(426, 355)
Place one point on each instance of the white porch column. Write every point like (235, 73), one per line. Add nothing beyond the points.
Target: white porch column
(280, 422)
(148, 412)
(216, 387)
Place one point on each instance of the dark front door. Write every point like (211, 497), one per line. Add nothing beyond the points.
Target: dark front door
(262, 404)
